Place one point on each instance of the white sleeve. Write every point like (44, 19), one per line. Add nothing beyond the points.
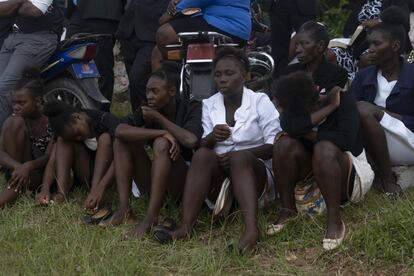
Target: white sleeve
(42, 5)
(206, 120)
(268, 119)
(4, 0)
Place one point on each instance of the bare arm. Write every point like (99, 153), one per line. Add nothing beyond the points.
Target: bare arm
(29, 10)
(129, 133)
(10, 7)
(183, 136)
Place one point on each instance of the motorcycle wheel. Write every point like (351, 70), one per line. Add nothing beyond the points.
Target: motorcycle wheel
(67, 91)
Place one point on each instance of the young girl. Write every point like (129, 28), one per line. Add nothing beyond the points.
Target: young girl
(386, 95)
(239, 128)
(173, 128)
(321, 137)
(84, 144)
(26, 139)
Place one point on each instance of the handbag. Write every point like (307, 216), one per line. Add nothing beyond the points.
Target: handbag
(308, 197)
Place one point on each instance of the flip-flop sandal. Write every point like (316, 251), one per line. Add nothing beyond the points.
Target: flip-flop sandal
(98, 216)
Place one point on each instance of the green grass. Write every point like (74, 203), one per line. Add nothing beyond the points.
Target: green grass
(53, 241)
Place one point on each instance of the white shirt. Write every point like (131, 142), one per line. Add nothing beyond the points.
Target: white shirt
(42, 5)
(256, 121)
(384, 89)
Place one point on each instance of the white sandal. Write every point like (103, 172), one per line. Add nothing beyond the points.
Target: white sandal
(330, 244)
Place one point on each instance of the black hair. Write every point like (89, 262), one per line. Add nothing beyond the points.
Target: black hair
(59, 114)
(168, 74)
(31, 81)
(395, 22)
(295, 93)
(237, 54)
(317, 31)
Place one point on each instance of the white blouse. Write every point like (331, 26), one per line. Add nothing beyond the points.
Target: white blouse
(256, 121)
(384, 89)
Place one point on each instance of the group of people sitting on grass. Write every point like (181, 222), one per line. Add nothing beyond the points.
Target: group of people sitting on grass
(306, 145)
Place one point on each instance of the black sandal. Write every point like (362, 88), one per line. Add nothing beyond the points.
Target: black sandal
(162, 232)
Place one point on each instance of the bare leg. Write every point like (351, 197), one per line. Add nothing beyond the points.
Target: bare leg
(291, 163)
(164, 174)
(131, 161)
(103, 173)
(248, 177)
(376, 144)
(203, 174)
(330, 168)
(70, 155)
(16, 144)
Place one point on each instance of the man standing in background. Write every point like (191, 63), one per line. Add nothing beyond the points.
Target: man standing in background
(136, 33)
(287, 16)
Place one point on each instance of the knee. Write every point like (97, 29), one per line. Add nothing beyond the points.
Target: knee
(204, 156)
(14, 126)
(241, 158)
(286, 147)
(161, 146)
(105, 139)
(324, 152)
(368, 111)
(165, 35)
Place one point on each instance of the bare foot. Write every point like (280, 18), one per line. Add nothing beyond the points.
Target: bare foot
(285, 215)
(181, 233)
(335, 230)
(248, 240)
(119, 217)
(58, 198)
(391, 188)
(141, 229)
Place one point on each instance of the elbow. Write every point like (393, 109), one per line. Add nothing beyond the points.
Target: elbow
(191, 142)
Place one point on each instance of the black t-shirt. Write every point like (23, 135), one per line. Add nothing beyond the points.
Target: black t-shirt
(51, 21)
(341, 127)
(188, 117)
(326, 77)
(5, 28)
(103, 122)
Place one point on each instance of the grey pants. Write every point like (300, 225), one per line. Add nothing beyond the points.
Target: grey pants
(20, 51)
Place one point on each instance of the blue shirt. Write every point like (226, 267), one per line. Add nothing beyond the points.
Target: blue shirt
(231, 16)
(400, 101)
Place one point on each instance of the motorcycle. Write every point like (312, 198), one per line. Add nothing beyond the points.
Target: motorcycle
(196, 51)
(71, 74)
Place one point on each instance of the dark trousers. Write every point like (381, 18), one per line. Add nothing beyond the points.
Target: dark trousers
(105, 57)
(285, 16)
(137, 58)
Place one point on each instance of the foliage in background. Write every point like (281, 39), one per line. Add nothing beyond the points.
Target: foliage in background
(334, 14)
